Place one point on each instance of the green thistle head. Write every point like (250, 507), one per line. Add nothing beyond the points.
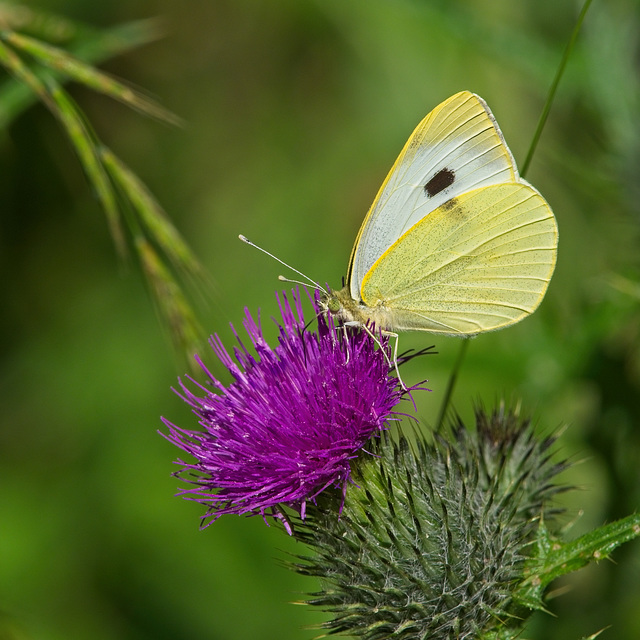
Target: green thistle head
(432, 538)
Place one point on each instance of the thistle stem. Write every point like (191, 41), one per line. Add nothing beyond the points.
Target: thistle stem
(452, 382)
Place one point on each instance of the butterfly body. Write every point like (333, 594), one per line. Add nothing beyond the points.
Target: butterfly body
(455, 242)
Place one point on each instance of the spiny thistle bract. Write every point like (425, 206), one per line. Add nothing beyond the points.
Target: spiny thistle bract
(432, 537)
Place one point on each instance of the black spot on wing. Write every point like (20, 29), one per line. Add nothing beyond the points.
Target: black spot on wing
(440, 181)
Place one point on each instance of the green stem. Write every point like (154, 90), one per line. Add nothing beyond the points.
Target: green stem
(554, 86)
(452, 383)
(534, 143)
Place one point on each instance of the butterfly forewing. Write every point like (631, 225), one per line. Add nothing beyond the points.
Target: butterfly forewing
(457, 148)
(479, 262)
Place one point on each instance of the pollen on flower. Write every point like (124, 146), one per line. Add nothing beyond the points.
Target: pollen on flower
(290, 423)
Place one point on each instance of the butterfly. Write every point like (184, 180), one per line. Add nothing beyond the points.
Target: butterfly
(455, 242)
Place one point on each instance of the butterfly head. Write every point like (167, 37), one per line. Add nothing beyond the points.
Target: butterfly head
(377, 322)
(344, 309)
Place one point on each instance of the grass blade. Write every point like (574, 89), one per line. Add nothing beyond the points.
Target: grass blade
(554, 87)
(21, 72)
(171, 303)
(97, 47)
(83, 140)
(152, 216)
(66, 64)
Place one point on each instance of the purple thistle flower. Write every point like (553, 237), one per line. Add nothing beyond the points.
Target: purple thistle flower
(289, 425)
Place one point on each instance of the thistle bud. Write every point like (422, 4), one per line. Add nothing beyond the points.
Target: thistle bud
(432, 537)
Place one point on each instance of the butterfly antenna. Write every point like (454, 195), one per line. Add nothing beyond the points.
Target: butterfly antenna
(304, 284)
(313, 283)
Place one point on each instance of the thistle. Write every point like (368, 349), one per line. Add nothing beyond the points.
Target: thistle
(290, 424)
(433, 538)
(450, 538)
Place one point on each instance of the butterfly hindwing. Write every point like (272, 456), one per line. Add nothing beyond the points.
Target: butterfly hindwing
(478, 262)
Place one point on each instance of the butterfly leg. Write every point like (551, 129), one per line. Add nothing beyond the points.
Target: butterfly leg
(394, 364)
(392, 334)
(346, 341)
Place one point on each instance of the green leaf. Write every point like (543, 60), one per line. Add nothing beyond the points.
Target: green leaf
(555, 558)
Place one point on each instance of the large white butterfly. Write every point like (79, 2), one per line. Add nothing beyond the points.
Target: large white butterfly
(455, 242)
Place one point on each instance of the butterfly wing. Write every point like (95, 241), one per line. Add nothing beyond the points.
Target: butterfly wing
(479, 262)
(457, 148)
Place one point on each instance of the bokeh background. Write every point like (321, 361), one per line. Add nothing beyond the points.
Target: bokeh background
(295, 110)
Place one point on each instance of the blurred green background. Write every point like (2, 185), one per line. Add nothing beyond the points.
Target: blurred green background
(295, 110)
